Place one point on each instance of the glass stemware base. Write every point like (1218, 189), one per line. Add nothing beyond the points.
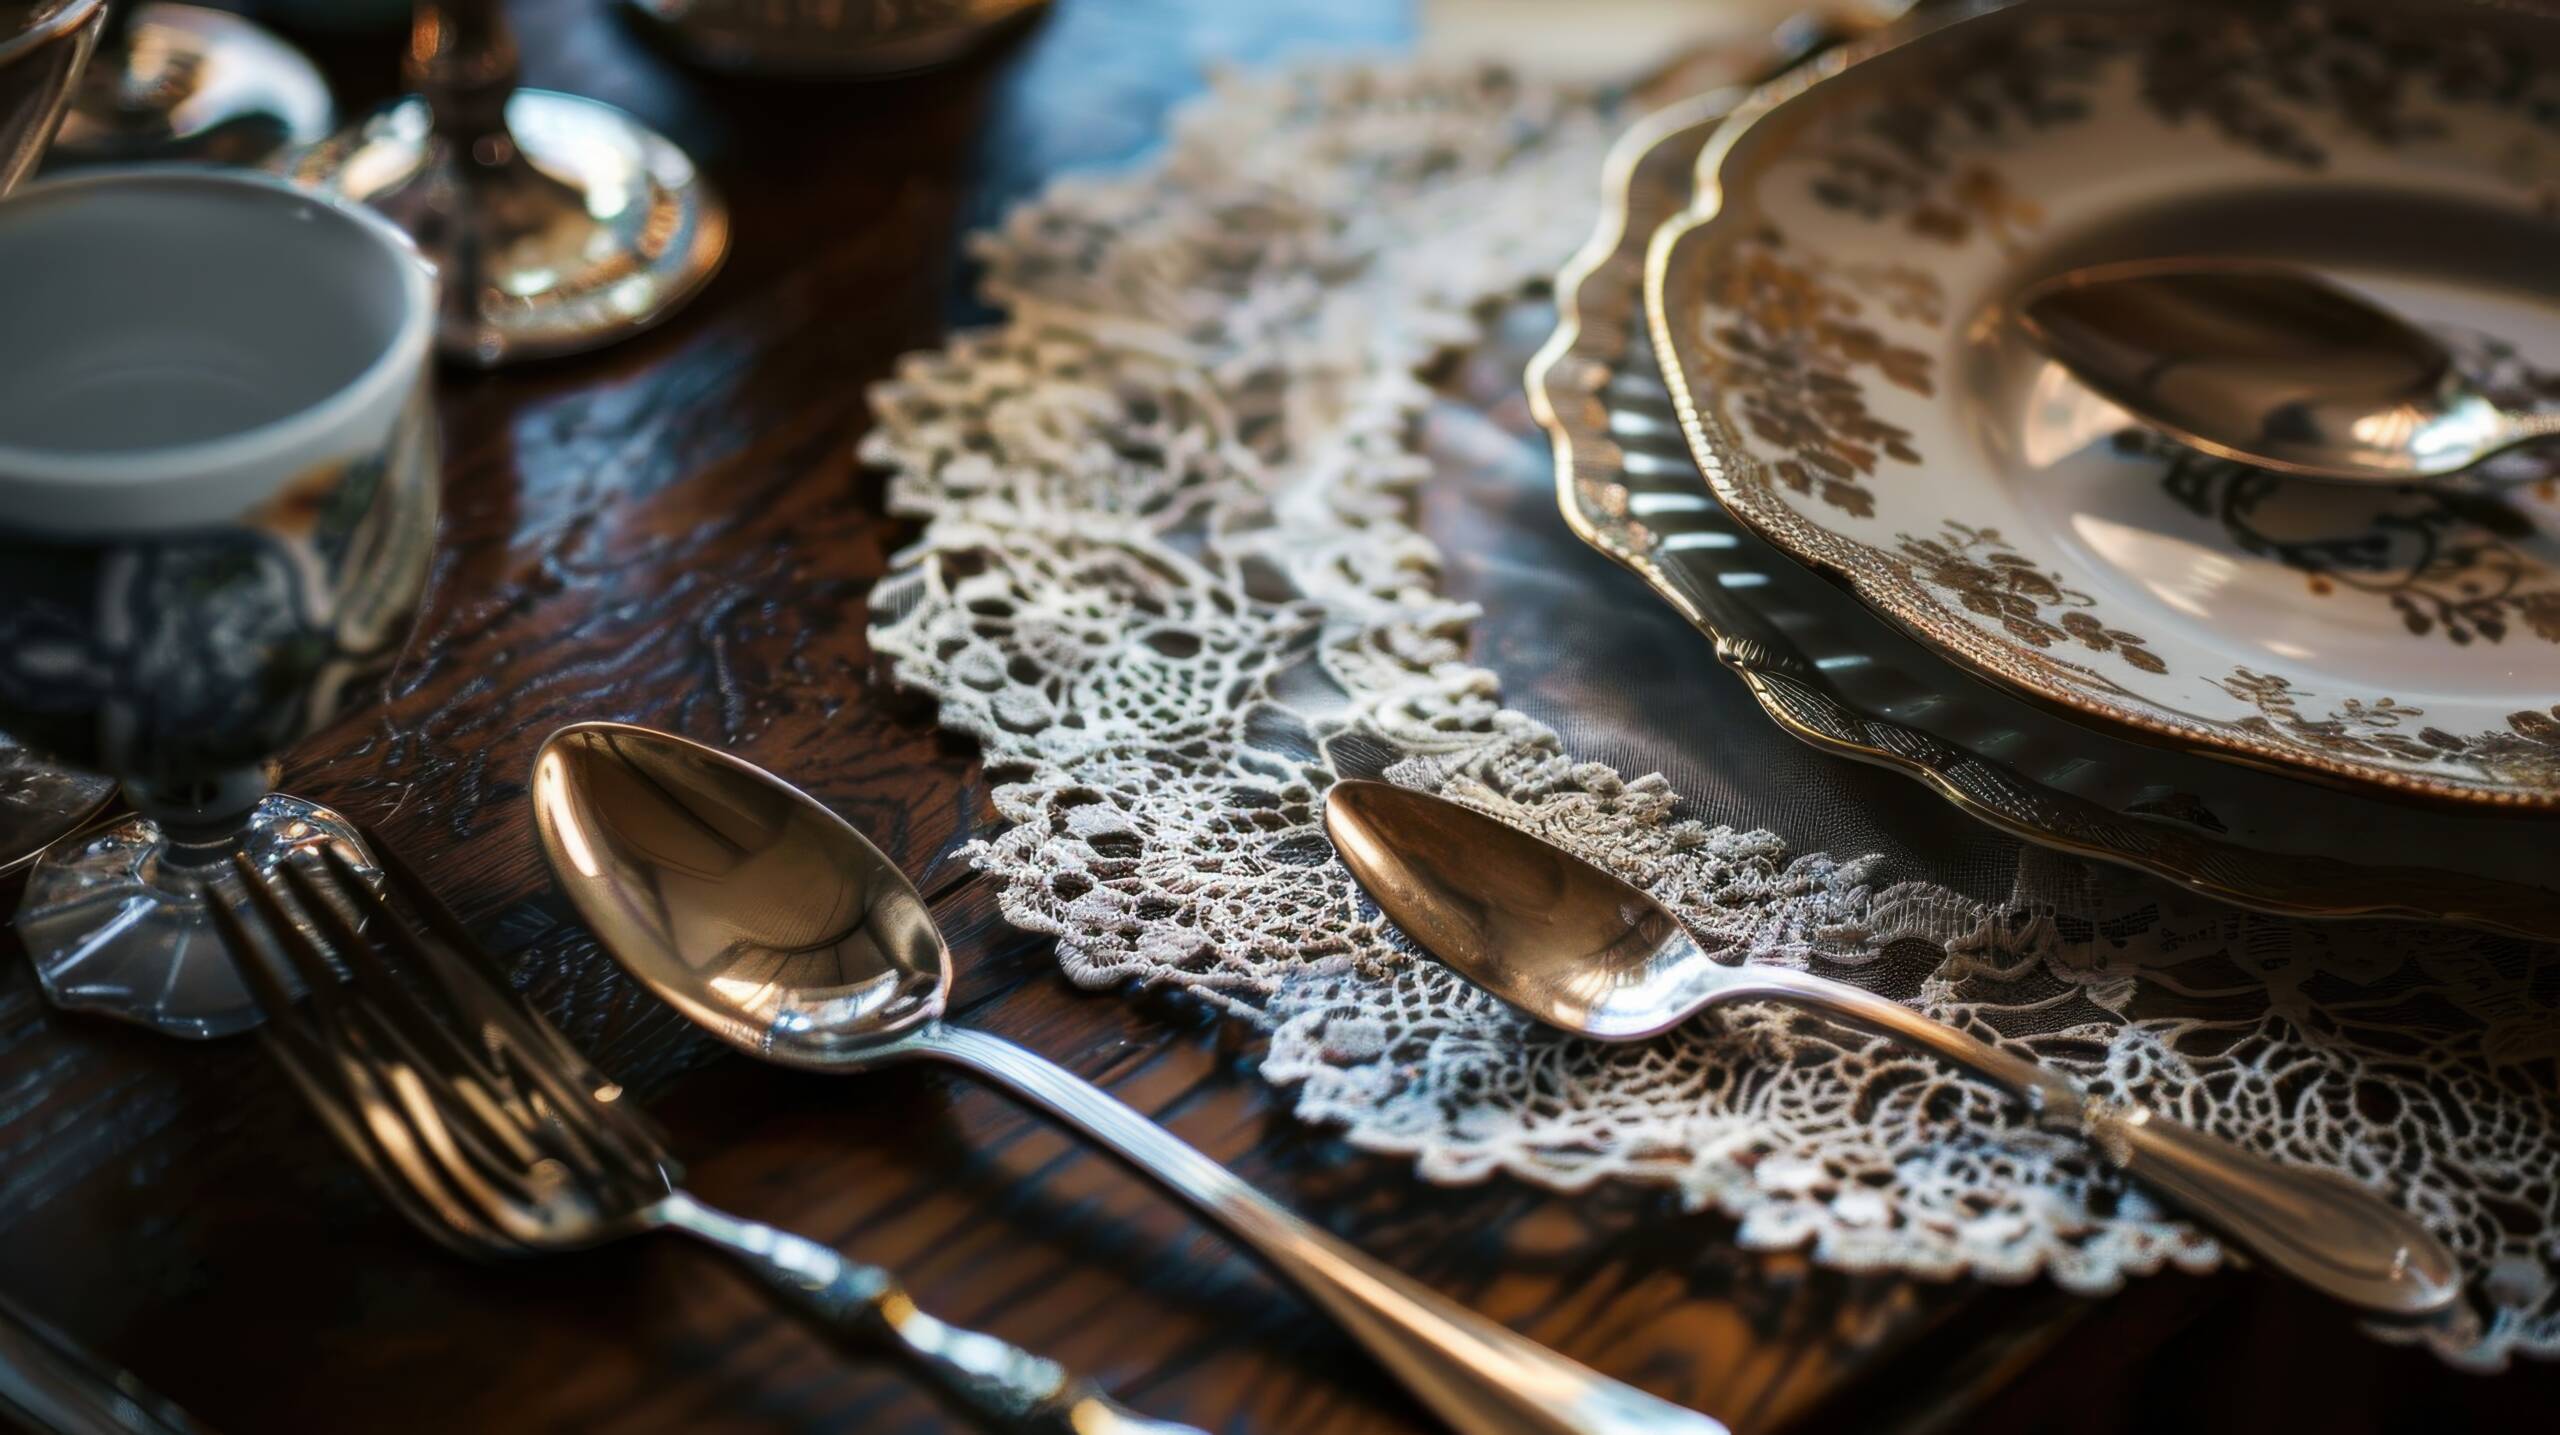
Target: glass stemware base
(571, 227)
(118, 921)
(191, 83)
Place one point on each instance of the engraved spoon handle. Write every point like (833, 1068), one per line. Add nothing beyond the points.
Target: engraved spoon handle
(1004, 1387)
(1479, 1376)
(2319, 1227)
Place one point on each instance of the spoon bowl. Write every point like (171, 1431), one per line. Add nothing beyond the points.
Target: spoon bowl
(2272, 366)
(740, 900)
(1577, 948)
(1551, 934)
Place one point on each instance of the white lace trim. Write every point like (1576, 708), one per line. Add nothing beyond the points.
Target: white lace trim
(1167, 578)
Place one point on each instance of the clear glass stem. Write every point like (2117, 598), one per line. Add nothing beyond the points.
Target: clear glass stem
(203, 812)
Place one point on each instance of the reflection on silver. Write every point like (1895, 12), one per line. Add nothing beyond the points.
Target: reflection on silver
(557, 223)
(184, 82)
(2270, 365)
(181, 664)
(1572, 946)
(769, 921)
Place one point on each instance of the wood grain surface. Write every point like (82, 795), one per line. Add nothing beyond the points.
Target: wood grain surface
(674, 532)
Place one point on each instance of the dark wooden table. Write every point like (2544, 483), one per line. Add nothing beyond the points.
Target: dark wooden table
(674, 532)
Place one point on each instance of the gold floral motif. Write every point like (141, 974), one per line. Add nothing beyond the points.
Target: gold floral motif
(1905, 159)
(1914, 156)
(1974, 196)
(2526, 753)
(1991, 578)
(2251, 77)
(1791, 348)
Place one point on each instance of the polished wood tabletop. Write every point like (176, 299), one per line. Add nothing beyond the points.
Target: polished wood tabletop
(675, 532)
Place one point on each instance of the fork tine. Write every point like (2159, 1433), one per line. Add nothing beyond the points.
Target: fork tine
(577, 1096)
(422, 1134)
(409, 1127)
(318, 977)
(593, 1152)
(484, 973)
(251, 964)
(397, 1001)
(564, 1126)
(438, 1056)
(291, 1038)
(508, 1199)
(428, 1208)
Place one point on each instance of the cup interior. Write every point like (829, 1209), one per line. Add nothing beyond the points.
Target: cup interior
(154, 310)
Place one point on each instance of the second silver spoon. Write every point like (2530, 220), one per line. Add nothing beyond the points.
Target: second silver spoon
(1574, 947)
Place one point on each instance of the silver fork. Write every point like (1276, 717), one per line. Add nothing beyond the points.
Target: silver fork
(485, 1127)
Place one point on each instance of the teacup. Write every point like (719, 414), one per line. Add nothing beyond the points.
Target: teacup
(217, 499)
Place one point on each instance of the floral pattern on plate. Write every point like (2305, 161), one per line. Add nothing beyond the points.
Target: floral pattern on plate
(1833, 309)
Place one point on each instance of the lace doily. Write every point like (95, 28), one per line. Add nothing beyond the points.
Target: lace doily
(1169, 579)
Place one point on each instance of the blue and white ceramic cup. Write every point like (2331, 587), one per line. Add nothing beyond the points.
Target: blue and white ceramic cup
(217, 500)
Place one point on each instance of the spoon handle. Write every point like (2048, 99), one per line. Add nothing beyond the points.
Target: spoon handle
(1001, 1386)
(2326, 1231)
(2527, 425)
(1479, 1376)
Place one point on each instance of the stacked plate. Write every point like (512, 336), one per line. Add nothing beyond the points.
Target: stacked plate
(1788, 391)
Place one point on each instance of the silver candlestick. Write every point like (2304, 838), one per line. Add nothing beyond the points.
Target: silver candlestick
(559, 223)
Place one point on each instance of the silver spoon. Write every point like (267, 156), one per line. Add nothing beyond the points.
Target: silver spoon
(2271, 366)
(770, 922)
(1572, 946)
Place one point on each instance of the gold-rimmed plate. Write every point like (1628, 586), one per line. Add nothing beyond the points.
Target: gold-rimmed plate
(1833, 308)
(1843, 679)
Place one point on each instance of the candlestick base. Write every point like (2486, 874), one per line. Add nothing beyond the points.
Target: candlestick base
(573, 227)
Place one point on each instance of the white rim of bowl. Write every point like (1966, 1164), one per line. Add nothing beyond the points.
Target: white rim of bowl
(128, 470)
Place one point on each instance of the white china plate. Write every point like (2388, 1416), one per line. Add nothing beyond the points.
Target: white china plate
(1834, 311)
